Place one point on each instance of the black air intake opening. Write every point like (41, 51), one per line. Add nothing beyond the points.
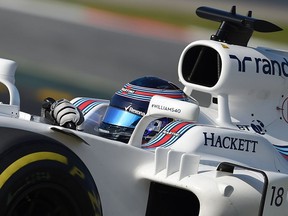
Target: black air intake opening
(202, 66)
(171, 201)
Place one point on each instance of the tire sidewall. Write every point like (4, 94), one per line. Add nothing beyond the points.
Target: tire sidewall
(43, 163)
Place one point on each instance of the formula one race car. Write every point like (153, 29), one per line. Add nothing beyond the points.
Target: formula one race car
(225, 155)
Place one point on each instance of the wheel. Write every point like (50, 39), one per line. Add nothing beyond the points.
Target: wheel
(43, 177)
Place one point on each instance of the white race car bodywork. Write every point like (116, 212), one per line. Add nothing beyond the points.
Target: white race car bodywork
(223, 157)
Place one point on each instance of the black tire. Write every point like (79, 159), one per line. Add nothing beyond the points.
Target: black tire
(43, 177)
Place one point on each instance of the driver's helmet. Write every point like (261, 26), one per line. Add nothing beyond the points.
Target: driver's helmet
(130, 104)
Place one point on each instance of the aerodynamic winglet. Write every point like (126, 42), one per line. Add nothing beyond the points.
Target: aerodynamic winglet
(235, 28)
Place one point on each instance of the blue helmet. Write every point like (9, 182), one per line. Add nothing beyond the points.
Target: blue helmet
(130, 104)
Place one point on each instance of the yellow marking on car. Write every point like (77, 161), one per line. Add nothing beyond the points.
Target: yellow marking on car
(225, 46)
(28, 159)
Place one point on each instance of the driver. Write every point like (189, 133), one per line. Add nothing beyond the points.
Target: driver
(116, 119)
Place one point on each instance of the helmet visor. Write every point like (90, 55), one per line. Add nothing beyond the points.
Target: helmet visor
(120, 117)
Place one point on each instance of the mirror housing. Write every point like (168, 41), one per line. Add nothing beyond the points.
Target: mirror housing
(160, 107)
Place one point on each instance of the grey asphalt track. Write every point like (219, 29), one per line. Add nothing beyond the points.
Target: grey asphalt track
(66, 41)
(98, 58)
(63, 47)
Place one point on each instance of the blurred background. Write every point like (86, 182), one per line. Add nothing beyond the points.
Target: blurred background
(70, 48)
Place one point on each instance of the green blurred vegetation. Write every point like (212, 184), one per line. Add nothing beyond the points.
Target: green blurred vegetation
(174, 17)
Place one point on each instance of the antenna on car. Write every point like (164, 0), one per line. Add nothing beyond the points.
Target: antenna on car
(234, 28)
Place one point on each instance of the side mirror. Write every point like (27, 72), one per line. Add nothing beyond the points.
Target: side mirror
(7, 78)
(160, 107)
